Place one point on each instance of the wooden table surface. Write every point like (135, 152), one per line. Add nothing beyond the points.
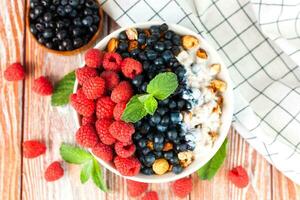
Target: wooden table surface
(26, 115)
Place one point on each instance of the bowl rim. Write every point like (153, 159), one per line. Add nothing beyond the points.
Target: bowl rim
(225, 123)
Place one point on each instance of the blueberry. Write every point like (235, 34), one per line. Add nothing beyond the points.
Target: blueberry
(169, 35)
(40, 27)
(125, 55)
(138, 80)
(74, 2)
(180, 71)
(142, 56)
(123, 46)
(48, 16)
(144, 87)
(61, 47)
(172, 134)
(142, 143)
(64, 2)
(48, 33)
(174, 160)
(93, 28)
(180, 104)
(151, 40)
(96, 18)
(137, 136)
(176, 40)
(33, 29)
(147, 171)
(151, 123)
(165, 120)
(123, 36)
(167, 55)
(76, 31)
(68, 9)
(38, 10)
(61, 34)
(77, 42)
(145, 128)
(183, 147)
(149, 159)
(159, 46)
(135, 52)
(172, 104)
(141, 38)
(151, 55)
(87, 21)
(87, 11)
(67, 22)
(61, 11)
(191, 145)
(164, 102)
(177, 169)
(138, 124)
(67, 43)
(146, 65)
(162, 111)
(161, 128)
(49, 45)
(188, 105)
(175, 117)
(155, 118)
(145, 150)
(90, 4)
(158, 146)
(55, 2)
(158, 138)
(41, 40)
(77, 21)
(176, 50)
(158, 61)
(164, 27)
(154, 29)
(169, 154)
(168, 44)
(158, 154)
(150, 136)
(32, 15)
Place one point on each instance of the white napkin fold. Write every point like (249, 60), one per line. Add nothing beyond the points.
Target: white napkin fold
(259, 41)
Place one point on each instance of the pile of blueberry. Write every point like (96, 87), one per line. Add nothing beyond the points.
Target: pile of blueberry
(64, 25)
(156, 49)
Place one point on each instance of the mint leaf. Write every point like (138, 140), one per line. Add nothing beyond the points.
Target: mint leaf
(86, 171)
(134, 110)
(72, 154)
(208, 171)
(63, 89)
(150, 105)
(163, 85)
(97, 176)
(142, 98)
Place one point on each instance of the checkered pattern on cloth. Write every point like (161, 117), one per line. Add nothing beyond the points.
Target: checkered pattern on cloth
(259, 41)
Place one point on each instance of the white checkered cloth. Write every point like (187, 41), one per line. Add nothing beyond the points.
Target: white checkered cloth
(259, 41)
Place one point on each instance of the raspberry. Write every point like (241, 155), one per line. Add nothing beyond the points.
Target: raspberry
(86, 136)
(103, 151)
(54, 172)
(118, 110)
(151, 195)
(182, 187)
(136, 188)
(122, 92)
(124, 150)
(88, 120)
(33, 148)
(127, 166)
(102, 127)
(14, 72)
(81, 104)
(42, 86)
(112, 61)
(111, 79)
(94, 87)
(93, 58)
(105, 108)
(122, 131)
(84, 73)
(239, 177)
(131, 68)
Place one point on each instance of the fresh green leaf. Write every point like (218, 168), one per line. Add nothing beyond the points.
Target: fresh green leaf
(150, 105)
(208, 171)
(163, 85)
(63, 89)
(97, 176)
(142, 98)
(73, 154)
(134, 110)
(86, 171)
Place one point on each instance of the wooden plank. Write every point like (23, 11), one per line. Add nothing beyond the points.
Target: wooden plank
(11, 93)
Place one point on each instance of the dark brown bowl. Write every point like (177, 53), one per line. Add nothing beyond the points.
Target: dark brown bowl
(75, 51)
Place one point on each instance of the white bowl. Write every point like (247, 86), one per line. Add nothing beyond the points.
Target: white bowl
(201, 157)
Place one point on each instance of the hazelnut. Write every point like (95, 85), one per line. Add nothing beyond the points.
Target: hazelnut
(112, 45)
(150, 145)
(218, 85)
(133, 44)
(189, 41)
(214, 135)
(168, 146)
(160, 166)
(201, 53)
(215, 69)
(147, 32)
(132, 34)
(185, 158)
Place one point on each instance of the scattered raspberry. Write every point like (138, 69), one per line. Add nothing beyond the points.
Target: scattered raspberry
(93, 58)
(105, 108)
(81, 104)
(88, 120)
(54, 172)
(112, 61)
(84, 73)
(102, 127)
(239, 177)
(131, 68)
(94, 87)
(122, 92)
(118, 110)
(103, 151)
(151, 195)
(42, 86)
(122, 131)
(127, 166)
(182, 187)
(86, 136)
(124, 150)
(33, 148)
(14, 72)
(136, 188)
(111, 79)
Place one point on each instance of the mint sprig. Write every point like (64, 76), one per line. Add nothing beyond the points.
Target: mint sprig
(91, 167)
(209, 170)
(63, 89)
(160, 87)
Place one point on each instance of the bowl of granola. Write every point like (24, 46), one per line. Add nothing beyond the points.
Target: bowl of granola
(159, 101)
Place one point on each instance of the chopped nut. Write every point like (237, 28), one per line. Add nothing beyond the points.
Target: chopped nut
(187, 116)
(143, 46)
(112, 45)
(220, 100)
(160, 166)
(168, 146)
(201, 53)
(132, 34)
(189, 41)
(218, 85)
(147, 32)
(215, 69)
(185, 158)
(214, 135)
(170, 168)
(150, 145)
(217, 109)
(133, 44)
